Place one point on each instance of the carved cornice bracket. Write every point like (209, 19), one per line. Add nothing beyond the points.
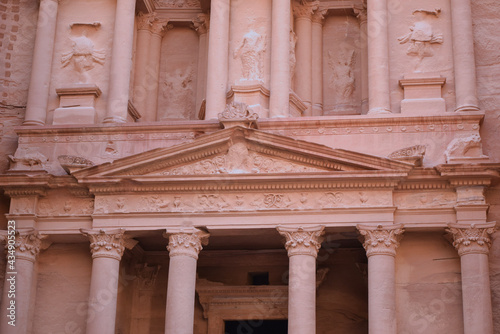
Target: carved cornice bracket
(302, 240)
(473, 238)
(186, 242)
(106, 243)
(201, 23)
(381, 239)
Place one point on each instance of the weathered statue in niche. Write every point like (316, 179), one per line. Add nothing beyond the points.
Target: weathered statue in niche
(178, 90)
(342, 79)
(421, 36)
(251, 53)
(84, 56)
(292, 58)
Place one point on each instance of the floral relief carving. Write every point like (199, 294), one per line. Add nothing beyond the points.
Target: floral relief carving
(471, 239)
(103, 243)
(269, 201)
(302, 241)
(381, 240)
(425, 200)
(413, 154)
(421, 35)
(251, 53)
(212, 202)
(331, 199)
(178, 3)
(28, 244)
(68, 207)
(187, 243)
(22, 205)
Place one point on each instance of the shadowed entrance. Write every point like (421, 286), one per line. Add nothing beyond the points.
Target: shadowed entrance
(256, 327)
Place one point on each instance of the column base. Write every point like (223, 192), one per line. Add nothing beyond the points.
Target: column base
(376, 111)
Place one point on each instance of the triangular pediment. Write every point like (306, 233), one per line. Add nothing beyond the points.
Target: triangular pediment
(242, 151)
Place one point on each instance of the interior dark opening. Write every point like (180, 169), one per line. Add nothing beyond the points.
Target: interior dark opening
(256, 327)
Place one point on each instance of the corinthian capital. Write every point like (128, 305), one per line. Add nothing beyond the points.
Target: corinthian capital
(381, 240)
(471, 239)
(304, 9)
(145, 21)
(318, 15)
(201, 23)
(103, 243)
(27, 244)
(302, 240)
(187, 243)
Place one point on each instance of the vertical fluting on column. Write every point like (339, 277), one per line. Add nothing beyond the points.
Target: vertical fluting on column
(38, 92)
(362, 18)
(183, 248)
(378, 57)
(218, 56)
(107, 249)
(303, 72)
(463, 56)
(317, 62)
(302, 245)
(158, 30)
(202, 25)
(121, 62)
(20, 273)
(140, 92)
(380, 243)
(280, 65)
(473, 242)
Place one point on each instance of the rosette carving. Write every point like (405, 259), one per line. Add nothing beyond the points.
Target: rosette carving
(381, 240)
(471, 239)
(187, 243)
(302, 241)
(106, 243)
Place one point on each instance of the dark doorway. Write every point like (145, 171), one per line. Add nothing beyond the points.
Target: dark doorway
(256, 327)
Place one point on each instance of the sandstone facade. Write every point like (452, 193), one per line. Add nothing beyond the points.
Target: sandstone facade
(264, 166)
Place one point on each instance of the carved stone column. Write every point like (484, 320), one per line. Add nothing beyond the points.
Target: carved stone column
(473, 242)
(107, 249)
(218, 53)
(38, 92)
(121, 62)
(303, 71)
(280, 51)
(317, 62)
(144, 23)
(158, 29)
(380, 243)
(183, 248)
(19, 280)
(463, 56)
(202, 25)
(362, 18)
(302, 245)
(378, 57)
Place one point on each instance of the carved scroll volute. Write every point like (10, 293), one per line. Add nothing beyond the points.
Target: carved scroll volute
(381, 240)
(302, 240)
(103, 243)
(187, 242)
(471, 239)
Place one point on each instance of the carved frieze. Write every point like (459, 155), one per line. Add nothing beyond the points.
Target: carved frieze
(187, 243)
(209, 202)
(425, 200)
(181, 4)
(471, 239)
(23, 205)
(302, 240)
(65, 207)
(381, 240)
(104, 243)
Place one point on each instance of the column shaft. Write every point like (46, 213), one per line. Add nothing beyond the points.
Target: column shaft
(361, 15)
(317, 64)
(38, 93)
(218, 55)
(103, 296)
(180, 295)
(141, 72)
(476, 294)
(121, 62)
(381, 295)
(280, 53)
(378, 57)
(463, 56)
(302, 295)
(303, 71)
